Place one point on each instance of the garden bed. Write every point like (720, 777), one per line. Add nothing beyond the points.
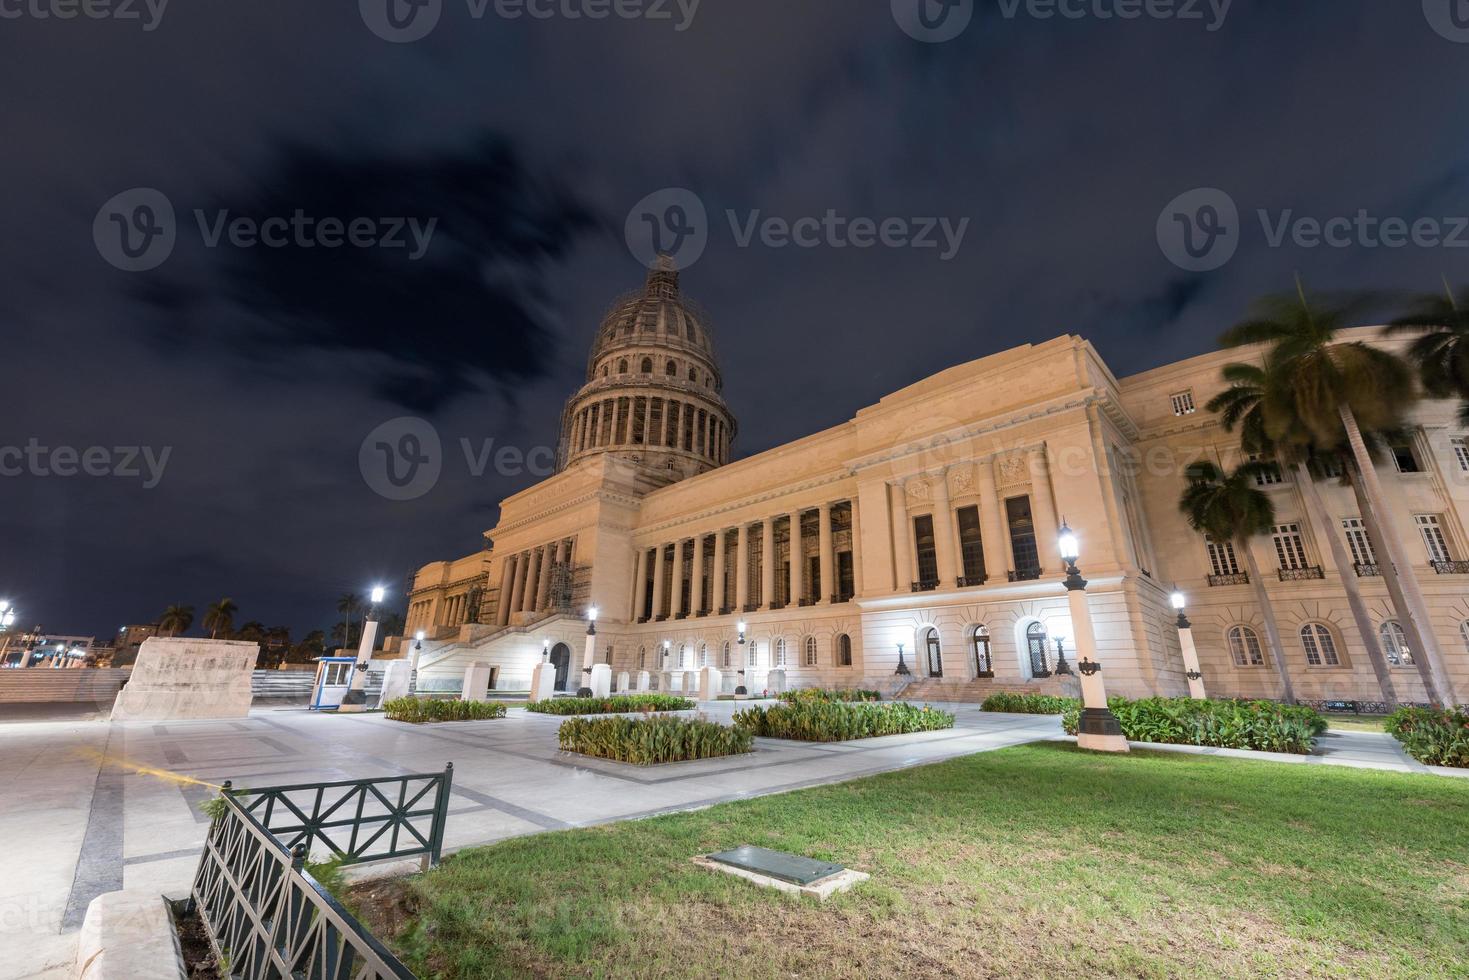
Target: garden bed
(1264, 726)
(652, 741)
(836, 721)
(838, 694)
(1029, 704)
(1434, 738)
(617, 704)
(418, 711)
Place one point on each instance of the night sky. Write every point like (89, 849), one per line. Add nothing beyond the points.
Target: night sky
(524, 144)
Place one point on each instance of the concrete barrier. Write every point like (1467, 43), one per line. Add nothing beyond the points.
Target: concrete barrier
(128, 935)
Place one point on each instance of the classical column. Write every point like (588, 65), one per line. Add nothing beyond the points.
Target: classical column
(696, 586)
(677, 603)
(717, 592)
(794, 586)
(767, 563)
(742, 568)
(532, 582)
(1043, 511)
(640, 585)
(902, 536)
(943, 530)
(827, 585)
(518, 592)
(990, 526)
(856, 551)
(658, 582)
(543, 591)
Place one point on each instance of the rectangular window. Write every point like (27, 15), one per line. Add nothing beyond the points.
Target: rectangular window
(1357, 541)
(1183, 402)
(923, 542)
(971, 545)
(1433, 536)
(1290, 550)
(1270, 476)
(1022, 537)
(1330, 467)
(1407, 462)
(846, 575)
(1461, 454)
(1221, 556)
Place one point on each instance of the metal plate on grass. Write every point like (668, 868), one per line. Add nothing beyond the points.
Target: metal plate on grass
(777, 864)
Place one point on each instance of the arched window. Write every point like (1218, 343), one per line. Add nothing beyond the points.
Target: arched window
(932, 651)
(810, 651)
(724, 660)
(703, 655)
(780, 652)
(604, 370)
(1395, 644)
(1244, 647)
(752, 657)
(844, 651)
(1035, 646)
(622, 366)
(1320, 647)
(671, 370)
(694, 375)
(642, 658)
(984, 666)
(683, 656)
(647, 367)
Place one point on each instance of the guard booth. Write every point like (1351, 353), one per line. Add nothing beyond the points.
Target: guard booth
(333, 681)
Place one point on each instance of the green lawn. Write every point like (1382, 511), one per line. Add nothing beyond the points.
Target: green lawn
(1356, 723)
(1036, 861)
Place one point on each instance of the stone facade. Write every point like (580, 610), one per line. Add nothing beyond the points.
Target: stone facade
(930, 520)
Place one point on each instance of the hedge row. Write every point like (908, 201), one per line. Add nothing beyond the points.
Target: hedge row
(615, 705)
(835, 721)
(649, 741)
(1029, 704)
(1262, 725)
(838, 694)
(417, 711)
(1434, 738)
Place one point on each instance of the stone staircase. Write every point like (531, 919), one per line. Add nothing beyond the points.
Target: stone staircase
(973, 692)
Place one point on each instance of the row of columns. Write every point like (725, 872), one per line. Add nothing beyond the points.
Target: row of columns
(683, 602)
(628, 420)
(525, 581)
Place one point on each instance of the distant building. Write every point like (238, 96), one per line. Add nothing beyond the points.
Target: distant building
(45, 648)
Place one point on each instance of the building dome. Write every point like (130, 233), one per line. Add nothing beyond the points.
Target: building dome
(653, 388)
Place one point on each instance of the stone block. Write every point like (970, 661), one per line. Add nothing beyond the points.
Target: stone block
(542, 682)
(477, 677)
(601, 680)
(180, 678)
(128, 935)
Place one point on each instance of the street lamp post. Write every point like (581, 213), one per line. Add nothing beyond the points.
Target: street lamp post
(741, 690)
(356, 697)
(1063, 669)
(1098, 728)
(1190, 652)
(902, 670)
(590, 655)
(413, 663)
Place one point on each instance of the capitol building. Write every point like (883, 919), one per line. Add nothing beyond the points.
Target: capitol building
(925, 528)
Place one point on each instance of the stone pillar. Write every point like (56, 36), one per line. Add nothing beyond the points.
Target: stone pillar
(1098, 728)
(797, 578)
(827, 585)
(657, 581)
(902, 536)
(476, 682)
(856, 551)
(709, 684)
(720, 556)
(1043, 509)
(767, 563)
(640, 585)
(696, 585)
(542, 682)
(991, 524)
(1191, 659)
(532, 581)
(677, 602)
(518, 592)
(543, 590)
(943, 530)
(742, 568)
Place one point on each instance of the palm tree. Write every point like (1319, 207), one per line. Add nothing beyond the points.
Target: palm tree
(176, 618)
(348, 604)
(1332, 390)
(253, 630)
(1441, 350)
(1241, 406)
(1231, 507)
(220, 617)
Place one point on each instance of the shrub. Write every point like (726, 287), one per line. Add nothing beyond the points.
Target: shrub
(838, 694)
(652, 740)
(1434, 738)
(419, 710)
(1261, 725)
(1028, 704)
(837, 721)
(614, 705)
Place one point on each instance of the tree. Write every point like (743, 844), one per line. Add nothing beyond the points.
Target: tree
(1240, 406)
(220, 617)
(1333, 390)
(348, 605)
(1441, 350)
(253, 630)
(1231, 507)
(176, 619)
